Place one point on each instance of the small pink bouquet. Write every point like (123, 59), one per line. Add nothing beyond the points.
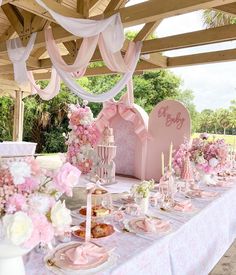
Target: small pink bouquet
(29, 210)
(83, 137)
(207, 156)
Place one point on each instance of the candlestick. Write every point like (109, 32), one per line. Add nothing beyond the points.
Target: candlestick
(162, 164)
(170, 156)
(88, 215)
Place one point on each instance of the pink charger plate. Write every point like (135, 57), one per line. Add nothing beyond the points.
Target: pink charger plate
(138, 226)
(202, 194)
(184, 206)
(62, 261)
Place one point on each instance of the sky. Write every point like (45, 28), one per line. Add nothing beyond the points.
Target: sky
(213, 85)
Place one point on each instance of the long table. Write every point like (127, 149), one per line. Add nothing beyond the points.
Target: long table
(12, 148)
(194, 246)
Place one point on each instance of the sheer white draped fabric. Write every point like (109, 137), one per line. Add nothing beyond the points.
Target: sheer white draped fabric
(78, 90)
(114, 62)
(18, 55)
(51, 90)
(111, 28)
(83, 57)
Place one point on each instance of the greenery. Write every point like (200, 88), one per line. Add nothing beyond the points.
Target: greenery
(46, 122)
(213, 18)
(229, 139)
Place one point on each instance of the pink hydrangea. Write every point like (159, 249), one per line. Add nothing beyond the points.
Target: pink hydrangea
(16, 202)
(29, 185)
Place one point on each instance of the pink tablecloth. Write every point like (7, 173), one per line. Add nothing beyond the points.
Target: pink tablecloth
(194, 246)
(11, 148)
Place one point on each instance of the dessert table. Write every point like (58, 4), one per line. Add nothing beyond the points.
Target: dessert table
(12, 148)
(195, 244)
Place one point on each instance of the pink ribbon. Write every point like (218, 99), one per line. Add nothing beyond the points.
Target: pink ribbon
(127, 112)
(83, 253)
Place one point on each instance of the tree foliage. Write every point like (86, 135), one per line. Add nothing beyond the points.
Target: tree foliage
(45, 122)
(213, 18)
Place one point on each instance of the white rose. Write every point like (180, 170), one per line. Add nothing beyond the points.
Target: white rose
(213, 162)
(60, 216)
(18, 227)
(19, 171)
(39, 203)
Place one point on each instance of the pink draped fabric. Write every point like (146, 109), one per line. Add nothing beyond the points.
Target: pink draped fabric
(114, 61)
(48, 92)
(83, 57)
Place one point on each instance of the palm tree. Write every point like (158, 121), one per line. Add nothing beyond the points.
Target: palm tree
(214, 18)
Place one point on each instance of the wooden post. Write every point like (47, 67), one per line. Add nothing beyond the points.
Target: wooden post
(18, 117)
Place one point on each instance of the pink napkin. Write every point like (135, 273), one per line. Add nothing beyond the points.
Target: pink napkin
(183, 205)
(206, 194)
(151, 225)
(85, 253)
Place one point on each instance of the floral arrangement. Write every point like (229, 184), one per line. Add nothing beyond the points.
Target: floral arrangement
(208, 156)
(83, 137)
(29, 211)
(143, 189)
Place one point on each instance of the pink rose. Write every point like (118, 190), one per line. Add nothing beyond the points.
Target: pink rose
(66, 178)
(42, 231)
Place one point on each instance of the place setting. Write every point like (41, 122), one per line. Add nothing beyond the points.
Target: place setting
(111, 162)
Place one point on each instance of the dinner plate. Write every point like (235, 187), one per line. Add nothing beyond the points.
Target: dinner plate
(211, 195)
(60, 270)
(135, 225)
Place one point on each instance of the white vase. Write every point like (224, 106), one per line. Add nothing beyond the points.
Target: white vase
(11, 261)
(144, 204)
(207, 179)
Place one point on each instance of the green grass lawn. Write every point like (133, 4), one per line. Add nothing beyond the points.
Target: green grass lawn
(230, 139)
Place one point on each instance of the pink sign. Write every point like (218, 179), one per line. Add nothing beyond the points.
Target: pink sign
(168, 122)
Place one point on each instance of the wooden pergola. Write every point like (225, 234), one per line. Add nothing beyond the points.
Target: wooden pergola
(23, 17)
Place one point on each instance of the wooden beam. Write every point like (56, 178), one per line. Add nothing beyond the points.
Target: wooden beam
(94, 3)
(39, 52)
(214, 35)
(202, 58)
(14, 18)
(18, 117)
(142, 66)
(139, 13)
(144, 12)
(197, 38)
(158, 9)
(33, 7)
(83, 7)
(155, 59)
(230, 8)
(114, 5)
(147, 29)
(203, 37)
(7, 34)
